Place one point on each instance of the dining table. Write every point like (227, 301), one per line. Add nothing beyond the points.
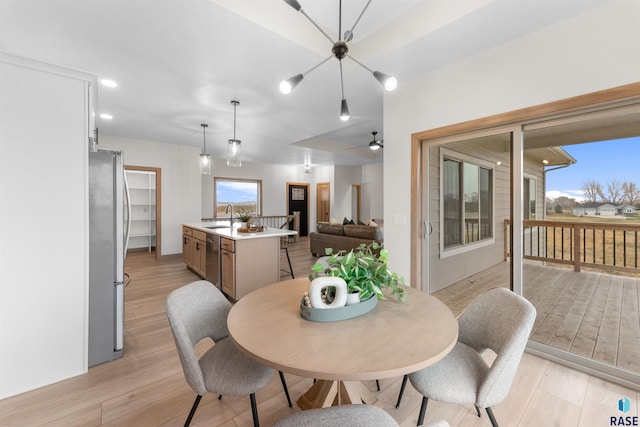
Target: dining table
(393, 339)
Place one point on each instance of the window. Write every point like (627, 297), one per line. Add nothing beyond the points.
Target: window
(529, 195)
(467, 200)
(242, 194)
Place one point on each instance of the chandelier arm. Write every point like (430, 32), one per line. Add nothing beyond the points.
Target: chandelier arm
(317, 26)
(360, 63)
(316, 66)
(361, 13)
(341, 80)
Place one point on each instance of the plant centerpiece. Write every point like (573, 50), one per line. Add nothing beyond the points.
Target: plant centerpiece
(362, 270)
(244, 217)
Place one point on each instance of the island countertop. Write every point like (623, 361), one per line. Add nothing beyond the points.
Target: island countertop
(222, 229)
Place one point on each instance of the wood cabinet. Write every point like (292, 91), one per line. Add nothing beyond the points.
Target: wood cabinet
(249, 264)
(228, 265)
(246, 263)
(194, 250)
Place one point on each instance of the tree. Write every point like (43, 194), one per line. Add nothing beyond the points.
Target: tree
(630, 193)
(558, 209)
(591, 190)
(613, 194)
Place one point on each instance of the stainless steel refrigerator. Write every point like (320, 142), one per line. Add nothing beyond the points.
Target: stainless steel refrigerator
(108, 234)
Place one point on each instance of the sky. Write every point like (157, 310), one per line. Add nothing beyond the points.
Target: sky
(236, 191)
(602, 162)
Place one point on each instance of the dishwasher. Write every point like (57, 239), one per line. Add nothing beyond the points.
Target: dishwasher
(213, 259)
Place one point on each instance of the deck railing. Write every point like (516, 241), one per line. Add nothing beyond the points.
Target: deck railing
(608, 246)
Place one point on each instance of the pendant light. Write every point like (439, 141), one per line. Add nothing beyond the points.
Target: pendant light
(233, 152)
(205, 159)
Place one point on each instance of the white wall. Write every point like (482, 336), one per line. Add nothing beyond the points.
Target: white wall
(588, 53)
(372, 192)
(43, 224)
(181, 194)
(344, 177)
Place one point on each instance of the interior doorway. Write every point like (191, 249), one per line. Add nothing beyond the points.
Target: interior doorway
(144, 185)
(298, 201)
(323, 202)
(355, 203)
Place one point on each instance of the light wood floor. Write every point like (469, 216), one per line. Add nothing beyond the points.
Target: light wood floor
(146, 387)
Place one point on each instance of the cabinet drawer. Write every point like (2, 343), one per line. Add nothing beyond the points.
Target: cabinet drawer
(228, 245)
(200, 235)
(187, 231)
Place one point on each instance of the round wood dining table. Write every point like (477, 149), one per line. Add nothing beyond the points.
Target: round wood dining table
(393, 339)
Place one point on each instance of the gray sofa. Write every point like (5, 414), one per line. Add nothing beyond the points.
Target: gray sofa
(342, 237)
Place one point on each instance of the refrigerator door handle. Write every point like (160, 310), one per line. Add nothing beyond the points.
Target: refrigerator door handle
(128, 228)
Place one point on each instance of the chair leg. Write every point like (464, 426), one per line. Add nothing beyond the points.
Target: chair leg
(404, 383)
(284, 386)
(494, 423)
(423, 409)
(193, 411)
(478, 411)
(378, 385)
(254, 410)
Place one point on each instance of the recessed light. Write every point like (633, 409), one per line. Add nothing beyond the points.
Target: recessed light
(108, 83)
(106, 116)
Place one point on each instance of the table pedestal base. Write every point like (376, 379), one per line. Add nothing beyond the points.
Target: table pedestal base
(325, 393)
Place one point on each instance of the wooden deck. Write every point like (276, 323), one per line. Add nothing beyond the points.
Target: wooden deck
(594, 315)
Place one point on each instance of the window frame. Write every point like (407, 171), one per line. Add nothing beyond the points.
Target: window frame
(218, 179)
(464, 247)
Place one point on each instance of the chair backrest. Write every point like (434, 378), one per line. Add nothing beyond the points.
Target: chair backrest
(501, 321)
(344, 415)
(196, 311)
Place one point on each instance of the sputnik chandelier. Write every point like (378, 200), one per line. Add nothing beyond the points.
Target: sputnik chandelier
(340, 50)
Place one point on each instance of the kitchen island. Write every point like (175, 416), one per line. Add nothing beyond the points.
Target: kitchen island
(235, 261)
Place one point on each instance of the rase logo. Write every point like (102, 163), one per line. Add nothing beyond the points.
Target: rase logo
(624, 405)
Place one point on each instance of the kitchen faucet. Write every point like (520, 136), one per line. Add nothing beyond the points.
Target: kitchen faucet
(226, 211)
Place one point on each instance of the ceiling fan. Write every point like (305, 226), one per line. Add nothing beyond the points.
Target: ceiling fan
(339, 50)
(374, 145)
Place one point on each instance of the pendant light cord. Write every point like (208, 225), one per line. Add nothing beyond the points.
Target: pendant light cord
(235, 105)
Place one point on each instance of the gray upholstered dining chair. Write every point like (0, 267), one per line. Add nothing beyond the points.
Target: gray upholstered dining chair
(197, 311)
(345, 415)
(498, 320)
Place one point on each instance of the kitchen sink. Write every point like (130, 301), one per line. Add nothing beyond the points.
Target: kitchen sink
(212, 227)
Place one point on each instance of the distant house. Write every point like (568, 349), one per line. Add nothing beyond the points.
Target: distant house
(627, 210)
(602, 209)
(595, 209)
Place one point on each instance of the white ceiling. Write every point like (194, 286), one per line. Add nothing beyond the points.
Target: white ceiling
(179, 63)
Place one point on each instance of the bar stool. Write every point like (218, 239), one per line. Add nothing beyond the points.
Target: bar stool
(284, 244)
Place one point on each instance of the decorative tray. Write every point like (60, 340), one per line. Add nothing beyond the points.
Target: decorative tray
(251, 230)
(335, 314)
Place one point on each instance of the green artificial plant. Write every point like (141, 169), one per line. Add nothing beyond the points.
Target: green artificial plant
(362, 270)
